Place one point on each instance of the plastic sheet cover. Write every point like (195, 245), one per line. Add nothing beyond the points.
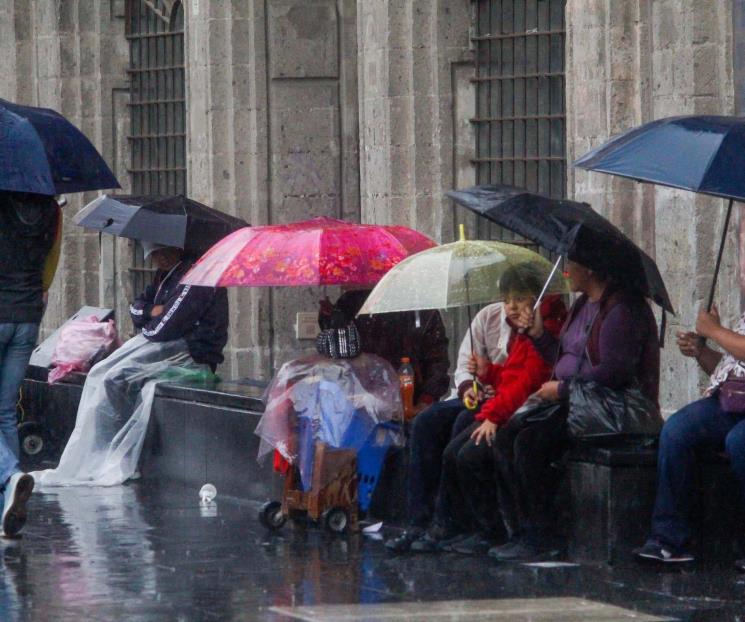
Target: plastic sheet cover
(113, 414)
(338, 402)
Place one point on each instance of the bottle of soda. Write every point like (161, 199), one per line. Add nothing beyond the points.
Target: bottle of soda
(406, 382)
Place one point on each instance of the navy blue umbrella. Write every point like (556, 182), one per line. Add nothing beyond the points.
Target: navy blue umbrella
(41, 152)
(704, 154)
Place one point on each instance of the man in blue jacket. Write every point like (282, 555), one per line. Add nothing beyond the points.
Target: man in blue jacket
(180, 326)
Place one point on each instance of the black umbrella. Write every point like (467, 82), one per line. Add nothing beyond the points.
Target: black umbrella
(568, 228)
(704, 154)
(170, 221)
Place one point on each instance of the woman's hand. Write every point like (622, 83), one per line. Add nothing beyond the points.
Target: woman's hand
(549, 392)
(708, 322)
(156, 311)
(472, 397)
(531, 323)
(689, 344)
(486, 431)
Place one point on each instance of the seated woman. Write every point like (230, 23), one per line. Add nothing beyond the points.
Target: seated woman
(610, 338)
(392, 336)
(711, 422)
(520, 286)
(433, 428)
(466, 514)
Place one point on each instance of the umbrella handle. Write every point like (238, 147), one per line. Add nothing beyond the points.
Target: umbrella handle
(472, 404)
(547, 283)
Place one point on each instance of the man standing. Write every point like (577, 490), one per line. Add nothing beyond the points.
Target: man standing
(28, 227)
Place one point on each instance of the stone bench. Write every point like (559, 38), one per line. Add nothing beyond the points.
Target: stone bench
(204, 434)
(611, 493)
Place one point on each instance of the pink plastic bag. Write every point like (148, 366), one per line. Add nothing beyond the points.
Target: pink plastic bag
(81, 344)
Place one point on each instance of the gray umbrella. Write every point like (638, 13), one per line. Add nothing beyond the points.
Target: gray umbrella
(174, 221)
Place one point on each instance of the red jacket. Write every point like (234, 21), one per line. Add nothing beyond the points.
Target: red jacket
(524, 370)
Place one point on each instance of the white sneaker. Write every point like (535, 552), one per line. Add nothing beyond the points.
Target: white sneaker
(17, 493)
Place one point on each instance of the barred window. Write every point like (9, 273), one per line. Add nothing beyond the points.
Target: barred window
(155, 31)
(520, 109)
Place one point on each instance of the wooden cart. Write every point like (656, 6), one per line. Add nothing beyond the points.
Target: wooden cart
(332, 498)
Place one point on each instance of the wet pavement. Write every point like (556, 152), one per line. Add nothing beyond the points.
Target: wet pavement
(146, 552)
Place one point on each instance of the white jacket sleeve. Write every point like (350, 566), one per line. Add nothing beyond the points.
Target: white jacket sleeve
(484, 337)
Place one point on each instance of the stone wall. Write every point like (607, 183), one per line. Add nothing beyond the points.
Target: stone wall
(632, 61)
(71, 56)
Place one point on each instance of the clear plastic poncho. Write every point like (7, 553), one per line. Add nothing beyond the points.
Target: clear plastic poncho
(113, 414)
(336, 401)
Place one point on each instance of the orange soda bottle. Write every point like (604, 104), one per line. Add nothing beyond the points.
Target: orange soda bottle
(406, 382)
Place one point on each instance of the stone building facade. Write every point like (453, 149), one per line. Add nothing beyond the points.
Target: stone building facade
(366, 110)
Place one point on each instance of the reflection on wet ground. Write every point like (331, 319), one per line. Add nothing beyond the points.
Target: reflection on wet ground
(152, 553)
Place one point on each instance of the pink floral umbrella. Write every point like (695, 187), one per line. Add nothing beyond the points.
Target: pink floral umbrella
(319, 251)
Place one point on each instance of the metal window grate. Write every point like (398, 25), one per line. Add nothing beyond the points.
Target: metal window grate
(520, 112)
(157, 107)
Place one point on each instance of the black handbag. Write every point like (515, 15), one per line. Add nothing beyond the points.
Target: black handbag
(597, 411)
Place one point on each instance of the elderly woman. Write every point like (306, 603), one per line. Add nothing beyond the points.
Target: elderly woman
(611, 339)
(712, 422)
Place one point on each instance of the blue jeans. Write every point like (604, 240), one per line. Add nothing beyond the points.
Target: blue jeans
(701, 424)
(430, 433)
(17, 341)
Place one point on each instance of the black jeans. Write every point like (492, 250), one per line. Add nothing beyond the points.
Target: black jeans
(467, 500)
(526, 482)
(430, 434)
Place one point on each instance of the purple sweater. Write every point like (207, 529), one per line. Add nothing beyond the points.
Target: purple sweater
(619, 348)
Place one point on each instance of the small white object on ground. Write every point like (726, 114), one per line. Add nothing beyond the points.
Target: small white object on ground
(374, 528)
(207, 493)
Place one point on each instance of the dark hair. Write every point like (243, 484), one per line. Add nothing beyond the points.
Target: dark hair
(523, 278)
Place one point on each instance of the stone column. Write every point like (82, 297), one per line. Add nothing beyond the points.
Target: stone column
(412, 56)
(629, 62)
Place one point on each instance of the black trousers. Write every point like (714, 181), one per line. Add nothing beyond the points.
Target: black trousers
(526, 480)
(431, 431)
(467, 500)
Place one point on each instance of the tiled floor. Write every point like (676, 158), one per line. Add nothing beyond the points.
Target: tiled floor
(139, 553)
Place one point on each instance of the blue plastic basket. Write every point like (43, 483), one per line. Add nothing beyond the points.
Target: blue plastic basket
(370, 459)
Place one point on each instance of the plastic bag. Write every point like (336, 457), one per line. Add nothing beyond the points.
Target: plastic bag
(317, 398)
(597, 411)
(113, 414)
(81, 344)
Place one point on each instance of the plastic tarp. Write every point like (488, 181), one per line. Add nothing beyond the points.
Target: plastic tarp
(336, 401)
(80, 344)
(113, 414)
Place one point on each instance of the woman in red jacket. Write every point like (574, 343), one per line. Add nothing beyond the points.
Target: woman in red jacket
(466, 507)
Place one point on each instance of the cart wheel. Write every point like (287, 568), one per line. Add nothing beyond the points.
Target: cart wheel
(336, 520)
(270, 515)
(32, 439)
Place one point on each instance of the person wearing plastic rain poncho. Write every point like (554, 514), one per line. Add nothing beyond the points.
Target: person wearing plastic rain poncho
(181, 326)
(30, 227)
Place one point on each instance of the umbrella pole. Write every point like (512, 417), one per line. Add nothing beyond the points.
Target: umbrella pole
(719, 256)
(468, 404)
(548, 282)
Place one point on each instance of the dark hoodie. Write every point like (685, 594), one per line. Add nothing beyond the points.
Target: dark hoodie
(197, 314)
(28, 224)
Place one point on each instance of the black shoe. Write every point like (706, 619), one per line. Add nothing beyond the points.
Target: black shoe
(402, 543)
(448, 543)
(658, 552)
(522, 551)
(740, 565)
(427, 543)
(477, 544)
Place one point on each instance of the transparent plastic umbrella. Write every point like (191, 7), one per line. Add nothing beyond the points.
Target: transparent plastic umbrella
(458, 274)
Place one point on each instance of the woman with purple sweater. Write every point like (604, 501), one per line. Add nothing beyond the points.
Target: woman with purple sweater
(610, 337)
